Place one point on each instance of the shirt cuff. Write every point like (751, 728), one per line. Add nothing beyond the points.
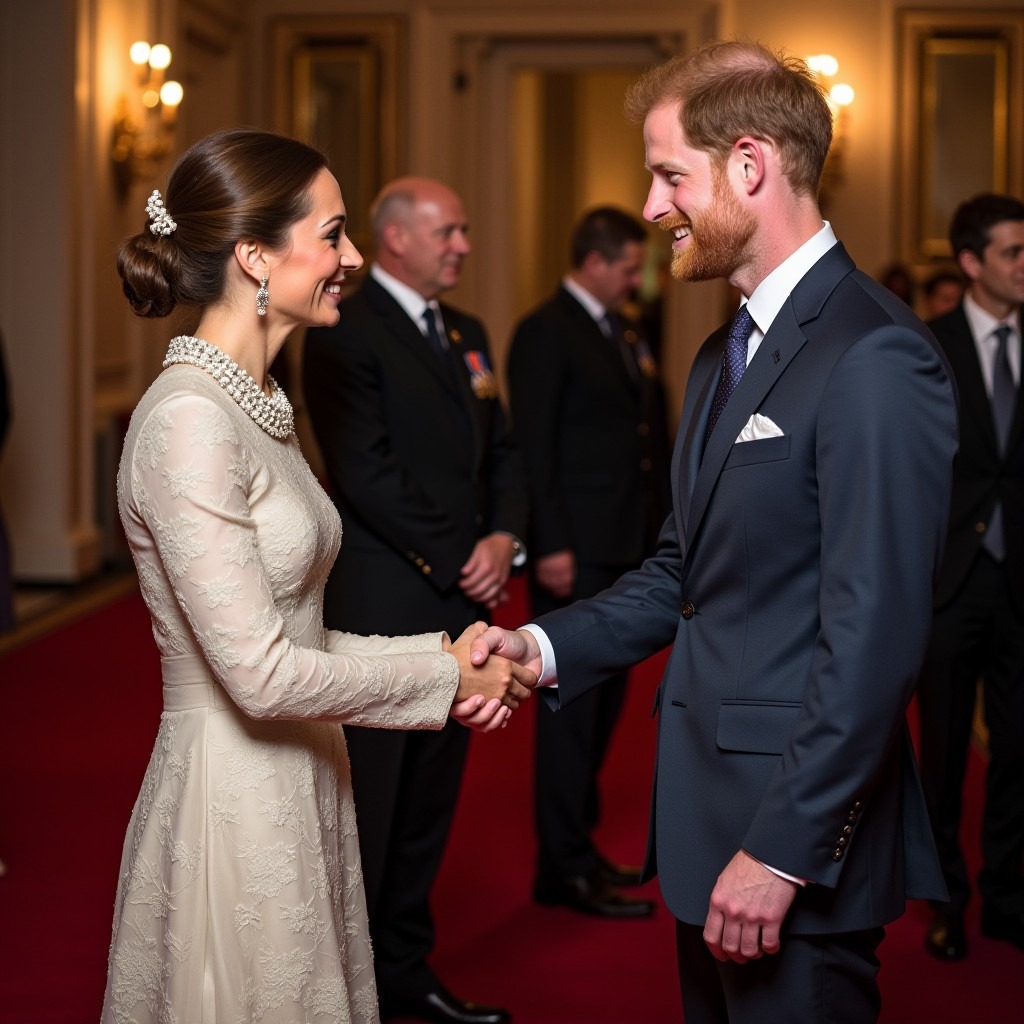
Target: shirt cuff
(548, 670)
(802, 882)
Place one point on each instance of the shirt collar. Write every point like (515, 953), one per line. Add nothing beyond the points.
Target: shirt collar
(408, 298)
(584, 298)
(982, 322)
(771, 294)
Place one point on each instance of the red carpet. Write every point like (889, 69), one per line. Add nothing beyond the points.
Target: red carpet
(80, 713)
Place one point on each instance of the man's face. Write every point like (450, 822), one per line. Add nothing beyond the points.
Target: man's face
(997, 278)
(693, 200)
(613, 281)
(434, 242)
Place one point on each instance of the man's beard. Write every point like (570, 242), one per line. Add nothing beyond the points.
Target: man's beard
(718, 238)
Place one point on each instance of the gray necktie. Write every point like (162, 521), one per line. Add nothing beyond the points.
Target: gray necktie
(1004, 391)
(734, 363)
(1004, 403)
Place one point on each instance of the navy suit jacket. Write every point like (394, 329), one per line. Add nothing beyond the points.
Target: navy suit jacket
(795, 582)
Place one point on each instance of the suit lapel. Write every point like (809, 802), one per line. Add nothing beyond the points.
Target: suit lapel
(779, 346)
(591, 335)
(974, 400)
(408, 334)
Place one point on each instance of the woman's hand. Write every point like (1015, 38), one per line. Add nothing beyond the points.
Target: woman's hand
(496, 678)
(481, 714)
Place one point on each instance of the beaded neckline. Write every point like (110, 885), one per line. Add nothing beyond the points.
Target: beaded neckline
(273, 412)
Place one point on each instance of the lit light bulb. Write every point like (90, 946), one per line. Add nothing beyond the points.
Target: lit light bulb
(841, 94)
(139, 52)
(171, 93)
(159, 56)
(151, 98)
(823, 64)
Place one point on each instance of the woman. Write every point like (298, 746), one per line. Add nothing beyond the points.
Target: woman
(240, 893)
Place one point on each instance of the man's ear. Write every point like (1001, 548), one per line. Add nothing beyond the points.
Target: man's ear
(393, 238)
(969, 263)
(747, 163)
(252, 259)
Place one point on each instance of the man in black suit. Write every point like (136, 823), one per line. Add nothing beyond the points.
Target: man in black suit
(810, 485)
(589, 418)
(978, 628)
(433, 500)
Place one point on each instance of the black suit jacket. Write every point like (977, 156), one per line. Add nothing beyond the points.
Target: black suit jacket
(593, 436)
(981, 476)
(419, 465)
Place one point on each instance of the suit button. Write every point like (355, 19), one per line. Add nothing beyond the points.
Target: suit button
(979, 527)
(837, 855)
(687, 610)
(847, 830)
(858, 806)
(645, 465)
(840, 843)
(642, 429)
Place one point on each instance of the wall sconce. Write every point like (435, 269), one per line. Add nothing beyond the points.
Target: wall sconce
(143, 137)
(840, 96)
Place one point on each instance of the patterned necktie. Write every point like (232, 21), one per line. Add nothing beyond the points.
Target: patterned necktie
(733, 365)
(433, 337)
(1004, 402)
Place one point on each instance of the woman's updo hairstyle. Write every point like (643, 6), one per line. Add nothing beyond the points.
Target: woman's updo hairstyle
(234, 184)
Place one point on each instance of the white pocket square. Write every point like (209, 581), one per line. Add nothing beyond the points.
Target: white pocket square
(758, 428)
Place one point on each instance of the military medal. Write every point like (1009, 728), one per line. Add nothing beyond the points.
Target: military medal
(481, 380)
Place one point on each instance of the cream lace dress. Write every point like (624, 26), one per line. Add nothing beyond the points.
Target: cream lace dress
(241, 896)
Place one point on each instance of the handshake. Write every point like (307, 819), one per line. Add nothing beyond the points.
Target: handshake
(498, 669)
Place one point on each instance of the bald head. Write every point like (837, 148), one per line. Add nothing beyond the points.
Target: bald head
(420, 231)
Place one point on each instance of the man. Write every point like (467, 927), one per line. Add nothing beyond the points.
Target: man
(978, 628)
(811, 483)
(432, 497)
(589, 419)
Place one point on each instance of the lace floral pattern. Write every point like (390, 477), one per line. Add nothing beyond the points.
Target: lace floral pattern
(240, 896)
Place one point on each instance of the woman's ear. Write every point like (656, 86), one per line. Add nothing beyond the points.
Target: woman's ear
(252, 259)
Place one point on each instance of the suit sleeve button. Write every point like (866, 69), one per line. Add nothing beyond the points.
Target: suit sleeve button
(687, 610)
(979, 527)
(837, 855)
(426, 570)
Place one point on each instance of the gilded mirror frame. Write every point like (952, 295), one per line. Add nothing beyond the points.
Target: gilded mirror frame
(961, 123)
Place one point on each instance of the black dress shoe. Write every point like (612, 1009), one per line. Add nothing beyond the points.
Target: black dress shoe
(946, 938)
(444, 1008)
(619, 874)
(589, 894)
(1007, 927)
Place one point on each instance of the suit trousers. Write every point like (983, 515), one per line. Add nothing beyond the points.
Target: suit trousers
(404, 808)
(570, 748)
(979, 634)
(813, 979)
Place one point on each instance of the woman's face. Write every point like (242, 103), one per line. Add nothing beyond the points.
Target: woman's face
(305, 280)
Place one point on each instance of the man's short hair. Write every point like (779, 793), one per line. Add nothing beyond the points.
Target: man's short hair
(975, 218)
(604, 230)
(731, 89)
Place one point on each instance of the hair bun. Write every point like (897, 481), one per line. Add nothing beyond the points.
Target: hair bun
(147, 267)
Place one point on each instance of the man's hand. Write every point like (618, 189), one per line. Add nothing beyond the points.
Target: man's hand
(556, 572)
(490, 678)
(748, 906)
(484, 576)
(520, 647)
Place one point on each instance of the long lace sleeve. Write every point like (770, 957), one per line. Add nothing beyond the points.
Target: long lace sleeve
(226, 527)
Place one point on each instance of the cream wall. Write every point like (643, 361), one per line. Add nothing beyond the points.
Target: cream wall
(76, 357)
